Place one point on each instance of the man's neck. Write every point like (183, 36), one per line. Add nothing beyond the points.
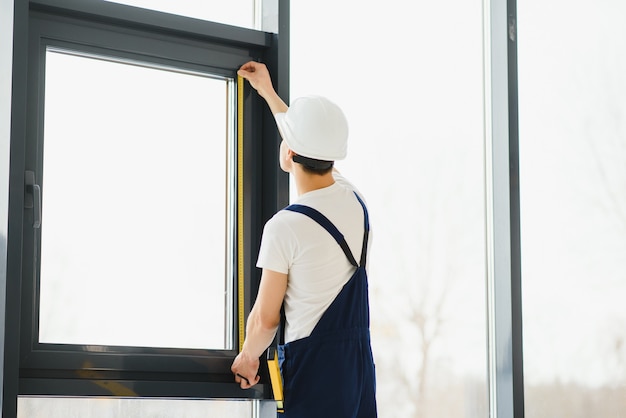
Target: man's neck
(306, 182)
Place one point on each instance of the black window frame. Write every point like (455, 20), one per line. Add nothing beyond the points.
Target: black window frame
(111, 29)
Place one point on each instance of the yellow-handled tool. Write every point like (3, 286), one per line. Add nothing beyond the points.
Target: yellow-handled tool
(275, 378)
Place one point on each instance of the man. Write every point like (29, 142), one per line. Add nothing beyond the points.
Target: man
(309, 254)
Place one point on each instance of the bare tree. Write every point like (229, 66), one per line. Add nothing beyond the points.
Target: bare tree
(429, 326)
(437, 269)
(605, 134)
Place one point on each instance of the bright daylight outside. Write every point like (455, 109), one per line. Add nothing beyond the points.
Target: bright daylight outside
(145, 233)
(572, 93)
(409, 78)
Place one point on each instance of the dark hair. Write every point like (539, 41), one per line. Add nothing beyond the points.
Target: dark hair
(312, 165)
(318, 171)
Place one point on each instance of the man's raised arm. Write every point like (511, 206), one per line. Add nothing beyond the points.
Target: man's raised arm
(259, 77)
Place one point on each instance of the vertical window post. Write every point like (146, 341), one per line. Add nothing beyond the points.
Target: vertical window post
(506, 396)
(13, 55)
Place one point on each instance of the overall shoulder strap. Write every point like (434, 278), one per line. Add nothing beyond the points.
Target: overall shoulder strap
(328, 226)
(366, 229)
(338, 236)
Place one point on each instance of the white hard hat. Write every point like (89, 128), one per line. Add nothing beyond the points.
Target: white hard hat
(315, 127)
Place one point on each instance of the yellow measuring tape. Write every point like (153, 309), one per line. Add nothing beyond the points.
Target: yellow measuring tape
(272, 360)
(240, 259)
(275, 378)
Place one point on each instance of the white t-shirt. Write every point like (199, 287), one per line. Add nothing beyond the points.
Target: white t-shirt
(317, 267)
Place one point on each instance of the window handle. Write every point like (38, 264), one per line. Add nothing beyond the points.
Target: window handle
(32, 198)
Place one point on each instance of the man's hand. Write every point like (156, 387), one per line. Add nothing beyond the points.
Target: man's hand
(261, 328)
(258, 76)
(245, 369)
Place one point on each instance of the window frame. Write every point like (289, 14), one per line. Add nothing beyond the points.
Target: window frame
(104, 28)
(504, 292)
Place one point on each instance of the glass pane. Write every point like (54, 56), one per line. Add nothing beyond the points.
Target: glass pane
(29, 407)
(136, 236)
(573, 203)
(240, 13)
(411, 89)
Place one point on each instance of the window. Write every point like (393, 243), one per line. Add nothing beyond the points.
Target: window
(416, 151)
(137, 239)
(141, 208)
(132, 408)
(573, 207)
(239, 13)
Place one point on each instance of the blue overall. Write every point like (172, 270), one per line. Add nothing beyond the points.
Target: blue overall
(331, 373)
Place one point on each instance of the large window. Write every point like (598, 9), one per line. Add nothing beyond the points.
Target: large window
(136, 210)
(411, 88)
(137, 205)
(573, 207)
